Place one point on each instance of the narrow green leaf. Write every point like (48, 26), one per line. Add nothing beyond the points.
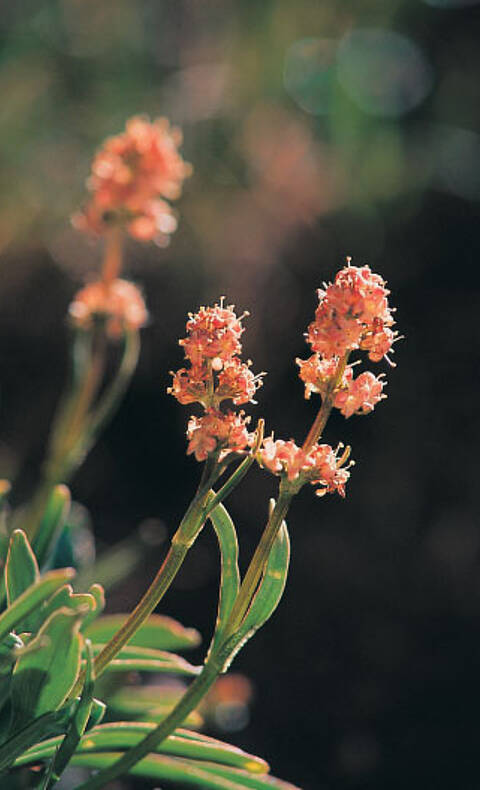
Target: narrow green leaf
(271, 588)
(267, 596)
(4, 534)
(158, 631)
(42, 680)
(189, 773)
(97, 712)
(149, 702)
(230, 574)
(21, 570)
(123, 735)
(8, 649)
(52, 521)
(148, 660)
(33, 597)
(77, 724)
(249, 780)
(49, 724)
(48, 777)
(98, 593)
(84, 603)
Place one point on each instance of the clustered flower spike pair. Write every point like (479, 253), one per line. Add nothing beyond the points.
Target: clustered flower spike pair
(133, 176)
(353, 314)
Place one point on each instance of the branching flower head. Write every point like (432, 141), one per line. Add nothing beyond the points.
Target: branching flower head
(133, 176)
(215, 373)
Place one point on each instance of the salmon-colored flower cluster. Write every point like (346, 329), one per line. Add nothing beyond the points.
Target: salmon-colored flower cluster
(360, 395)
(353, 314)
(133, 176)
(218, 430)
(119, 303)
(320, 465)
(215, 374)
(352, 396)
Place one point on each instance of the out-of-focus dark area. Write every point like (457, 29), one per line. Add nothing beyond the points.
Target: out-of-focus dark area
(316, 130)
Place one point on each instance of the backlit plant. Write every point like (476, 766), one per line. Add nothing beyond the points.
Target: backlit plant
(62, 662)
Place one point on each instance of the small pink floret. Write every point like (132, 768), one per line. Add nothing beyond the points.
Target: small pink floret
(120, 302)
(217, 430)
(318, 466)
(213, 333)
(360, 395)
(317, 373)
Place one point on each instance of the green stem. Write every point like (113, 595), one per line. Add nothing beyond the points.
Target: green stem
(230, 484)
(190, 700)
(159, 586)
(111, 398)
(186, 534)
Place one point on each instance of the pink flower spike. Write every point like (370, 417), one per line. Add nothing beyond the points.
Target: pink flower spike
(133, 174)
(353, 313)
(213, 333)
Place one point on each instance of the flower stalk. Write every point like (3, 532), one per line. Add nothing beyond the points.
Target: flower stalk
(68, 427)
(318, 425)
(112, 262)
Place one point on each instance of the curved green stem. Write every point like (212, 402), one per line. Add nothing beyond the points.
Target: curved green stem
(186, 534)
(111, 398)
(89, 364)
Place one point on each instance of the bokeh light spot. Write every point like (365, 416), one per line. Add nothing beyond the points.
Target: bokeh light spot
(309, 73)
(383, 72)
(458, 161)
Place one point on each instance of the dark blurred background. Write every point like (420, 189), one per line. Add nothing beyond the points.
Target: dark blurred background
(316, 130)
